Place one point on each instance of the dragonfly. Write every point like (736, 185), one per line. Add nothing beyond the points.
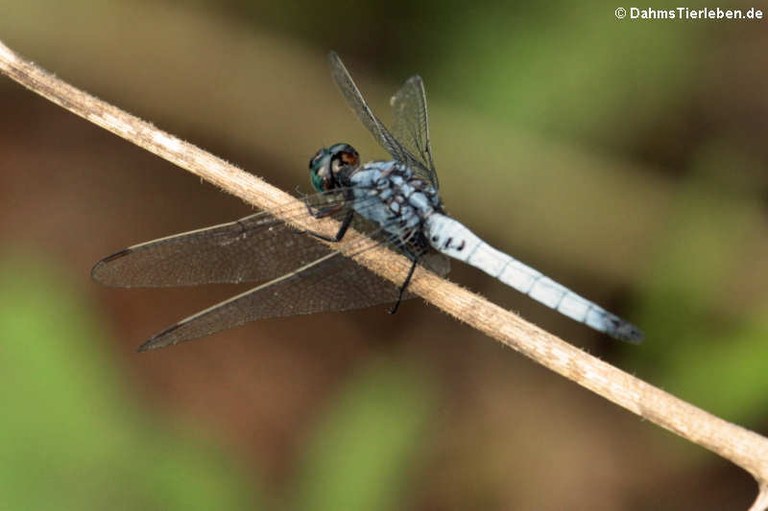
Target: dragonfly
(394, 202)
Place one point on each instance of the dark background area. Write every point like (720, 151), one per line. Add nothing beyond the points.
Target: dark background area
(626, 159)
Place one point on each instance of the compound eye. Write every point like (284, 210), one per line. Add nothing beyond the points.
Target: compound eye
(344, 156)
(320, 170)
(316, 158)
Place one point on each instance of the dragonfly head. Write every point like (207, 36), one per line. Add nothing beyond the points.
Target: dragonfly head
(329, 164)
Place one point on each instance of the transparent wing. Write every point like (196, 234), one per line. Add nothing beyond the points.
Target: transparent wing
(253, 249)
(316, 287)
(379, 131)
(411, 127)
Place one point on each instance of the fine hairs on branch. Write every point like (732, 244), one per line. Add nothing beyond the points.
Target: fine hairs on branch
(742, 447)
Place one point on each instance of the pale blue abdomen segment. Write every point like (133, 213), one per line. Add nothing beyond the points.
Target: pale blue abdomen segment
(453, 239)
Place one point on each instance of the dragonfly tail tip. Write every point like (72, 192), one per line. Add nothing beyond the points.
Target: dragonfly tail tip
(629, 333)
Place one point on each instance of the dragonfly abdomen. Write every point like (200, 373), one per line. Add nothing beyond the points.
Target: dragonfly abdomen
(455, 240)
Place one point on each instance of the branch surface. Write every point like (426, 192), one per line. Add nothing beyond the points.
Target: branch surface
(739, 445)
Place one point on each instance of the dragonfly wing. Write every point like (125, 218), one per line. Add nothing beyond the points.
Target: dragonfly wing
(330, 283)
(256, 248)
(355, 99)
(411, 127)
(251, 249)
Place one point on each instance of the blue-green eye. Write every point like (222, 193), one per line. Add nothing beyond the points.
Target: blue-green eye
(317, 181)
(319, 169)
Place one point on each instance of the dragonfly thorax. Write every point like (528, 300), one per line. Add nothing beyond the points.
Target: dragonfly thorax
(330, 165)
(389, 194)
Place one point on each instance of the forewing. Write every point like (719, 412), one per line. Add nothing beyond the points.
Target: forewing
(355, 100)
(253, 249)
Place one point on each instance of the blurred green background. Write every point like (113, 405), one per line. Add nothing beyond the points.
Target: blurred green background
(627, 159)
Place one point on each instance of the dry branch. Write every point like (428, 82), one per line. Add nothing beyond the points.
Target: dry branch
(741, 446)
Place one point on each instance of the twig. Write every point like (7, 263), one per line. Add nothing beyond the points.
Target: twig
(741, 446)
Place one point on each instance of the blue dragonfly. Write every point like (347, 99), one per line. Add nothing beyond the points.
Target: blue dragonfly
(395, 202)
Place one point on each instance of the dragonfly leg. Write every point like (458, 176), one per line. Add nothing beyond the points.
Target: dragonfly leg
(345, 223)
(323, 212)
(403, 287)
